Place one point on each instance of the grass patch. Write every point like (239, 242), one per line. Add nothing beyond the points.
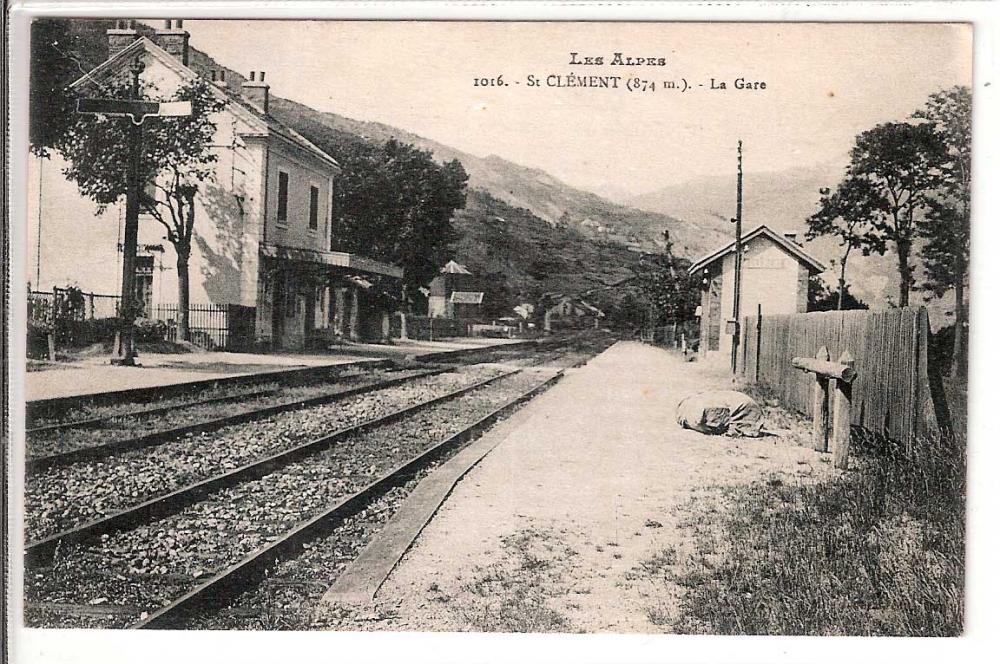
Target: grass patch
(876, 552)
(512, 595)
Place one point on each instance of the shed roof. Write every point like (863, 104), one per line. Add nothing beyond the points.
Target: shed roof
(784, 243)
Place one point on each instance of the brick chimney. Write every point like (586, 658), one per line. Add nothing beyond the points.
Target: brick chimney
(256, 91)
(791, 236)
(120, 36)
(173, 39)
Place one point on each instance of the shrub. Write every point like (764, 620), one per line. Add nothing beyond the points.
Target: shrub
(81, 333)
(150, 330)
(876, 552)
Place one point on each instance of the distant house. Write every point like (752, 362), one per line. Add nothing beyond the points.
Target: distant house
(775, 275)
(262, 231)
(455, 293)
(573, 313)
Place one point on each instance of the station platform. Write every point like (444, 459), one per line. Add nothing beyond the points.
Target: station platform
(553, 529)
(95, 375)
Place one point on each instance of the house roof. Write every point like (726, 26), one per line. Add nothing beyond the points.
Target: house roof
(451, 267)
(784, 243)
(240, 105)
(582, 304)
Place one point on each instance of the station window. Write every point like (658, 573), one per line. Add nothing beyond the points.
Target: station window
(282, 197)
(313, 208)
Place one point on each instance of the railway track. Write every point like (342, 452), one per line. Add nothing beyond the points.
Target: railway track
(65, 499)
(73, 576)
(103, 436)
(87, 485)
(221, 588)
(257, 498)
(51, 411)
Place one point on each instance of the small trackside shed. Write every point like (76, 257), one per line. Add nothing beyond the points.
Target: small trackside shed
(775, 276)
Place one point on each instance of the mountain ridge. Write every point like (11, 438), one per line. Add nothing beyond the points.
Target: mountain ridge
(548, 198)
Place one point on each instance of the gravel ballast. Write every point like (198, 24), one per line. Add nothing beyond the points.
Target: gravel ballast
(154, 563)
(63, 497)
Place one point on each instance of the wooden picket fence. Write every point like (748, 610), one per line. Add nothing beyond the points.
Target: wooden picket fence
(892, 393)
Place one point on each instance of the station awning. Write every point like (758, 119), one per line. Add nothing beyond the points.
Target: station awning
(333, 259)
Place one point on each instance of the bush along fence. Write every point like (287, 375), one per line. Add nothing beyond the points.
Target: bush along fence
(70, 318)
(46, 307)
(895, 393)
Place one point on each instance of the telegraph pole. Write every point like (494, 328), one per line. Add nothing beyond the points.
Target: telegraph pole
(38, 243)
(126, 349)
(738, 256)
(137, 110)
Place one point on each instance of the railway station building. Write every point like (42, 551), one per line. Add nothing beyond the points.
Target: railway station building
(262, 235)
(774, 275)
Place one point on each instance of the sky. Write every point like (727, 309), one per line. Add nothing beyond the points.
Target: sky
(825, 83)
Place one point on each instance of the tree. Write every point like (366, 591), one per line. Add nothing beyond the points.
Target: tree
(947, 225)
(394, 203)
(177, 156)
(61, 52)
(844, 214)
(901, 162)
(662, 281)
(821, 298)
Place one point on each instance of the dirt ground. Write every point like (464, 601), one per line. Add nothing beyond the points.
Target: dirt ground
(573, 523)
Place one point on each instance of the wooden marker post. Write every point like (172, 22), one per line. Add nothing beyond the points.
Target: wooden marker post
(842, 416)
(820, 404)
(836, 377)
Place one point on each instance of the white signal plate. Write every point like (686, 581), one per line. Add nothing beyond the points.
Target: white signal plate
(174, 108)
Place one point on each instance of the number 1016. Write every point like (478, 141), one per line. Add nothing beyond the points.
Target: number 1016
(496, 82)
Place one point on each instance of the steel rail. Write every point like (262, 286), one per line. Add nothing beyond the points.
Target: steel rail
(41, 551)
(94, 422)
(39, 407)
(236, 578)
(39, 463)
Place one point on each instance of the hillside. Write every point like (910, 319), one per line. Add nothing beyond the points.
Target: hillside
(498, 238)
(549, 199)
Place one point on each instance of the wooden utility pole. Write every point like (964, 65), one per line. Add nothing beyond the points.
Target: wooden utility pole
(137, 110)
(738, 256)
(126, 351)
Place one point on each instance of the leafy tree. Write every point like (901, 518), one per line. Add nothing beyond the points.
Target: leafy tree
(844, 214)
(394, 203)
(821, 298)
(901, 162)
(60, 54)
(662, 281)
(177, 158)
(946, 227)
(498, 298)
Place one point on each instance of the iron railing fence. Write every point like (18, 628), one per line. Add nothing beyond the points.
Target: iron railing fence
(46, 307)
